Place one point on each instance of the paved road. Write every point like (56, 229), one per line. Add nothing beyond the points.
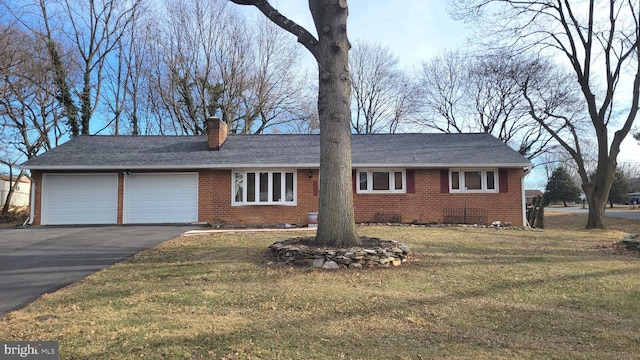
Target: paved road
(625, 213)
(39, 260)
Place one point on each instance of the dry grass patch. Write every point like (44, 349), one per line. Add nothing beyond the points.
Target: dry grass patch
(466, 293)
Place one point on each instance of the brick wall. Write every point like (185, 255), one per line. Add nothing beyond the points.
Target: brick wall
(424, 206)
(215, 202)
(427, 203)
(36, 187)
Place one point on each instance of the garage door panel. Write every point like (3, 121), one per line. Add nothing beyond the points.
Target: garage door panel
(79, 199)
(161, 198)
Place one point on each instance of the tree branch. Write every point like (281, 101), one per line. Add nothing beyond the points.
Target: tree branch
(304, 36)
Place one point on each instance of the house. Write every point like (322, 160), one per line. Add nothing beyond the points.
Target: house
(20, 196)
(273, 179)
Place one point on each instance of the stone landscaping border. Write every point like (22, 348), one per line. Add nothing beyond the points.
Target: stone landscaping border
(373, 252)
(632, 242)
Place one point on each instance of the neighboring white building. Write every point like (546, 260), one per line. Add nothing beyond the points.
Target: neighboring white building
(21, 196)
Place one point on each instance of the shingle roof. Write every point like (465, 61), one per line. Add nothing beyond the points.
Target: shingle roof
(192, 152)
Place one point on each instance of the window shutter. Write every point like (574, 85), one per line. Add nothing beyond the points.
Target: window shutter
(503, 178)
(444, 181)
(315, 188)
(411, 181)
(354, 183)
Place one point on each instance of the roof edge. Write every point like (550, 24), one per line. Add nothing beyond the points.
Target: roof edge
(302, 165)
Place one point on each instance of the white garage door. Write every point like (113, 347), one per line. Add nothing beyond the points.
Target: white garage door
(79, 199)
(161, 198)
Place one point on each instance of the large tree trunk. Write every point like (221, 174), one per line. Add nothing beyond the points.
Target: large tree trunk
(336, 221)
(595, 219)
(597, 192)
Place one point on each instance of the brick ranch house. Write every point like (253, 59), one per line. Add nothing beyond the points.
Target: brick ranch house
(248, 180)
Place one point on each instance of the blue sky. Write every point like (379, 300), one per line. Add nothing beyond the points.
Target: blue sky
(414, 30)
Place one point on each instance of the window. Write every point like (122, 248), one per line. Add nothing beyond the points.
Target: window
(491, 179)
(473, 180)
(381, 181)
(455, 180)
(264, 188)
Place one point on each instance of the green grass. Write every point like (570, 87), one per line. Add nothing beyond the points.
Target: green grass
(465, 293)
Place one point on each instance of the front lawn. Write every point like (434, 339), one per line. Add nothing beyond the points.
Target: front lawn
(467, 293)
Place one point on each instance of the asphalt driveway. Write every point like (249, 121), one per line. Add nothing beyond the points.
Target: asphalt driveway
(39, 260)
(624, 212)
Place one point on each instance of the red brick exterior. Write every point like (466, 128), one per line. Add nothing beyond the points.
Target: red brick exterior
(425, 205)
(428, 202)
(217, 133)
(36, 187)
(215, 202)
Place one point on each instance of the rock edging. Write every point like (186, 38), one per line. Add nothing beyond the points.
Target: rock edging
(632, 242)
(374, 252)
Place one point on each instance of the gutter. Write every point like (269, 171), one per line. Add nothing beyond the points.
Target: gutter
(264, 165)
(523, 200)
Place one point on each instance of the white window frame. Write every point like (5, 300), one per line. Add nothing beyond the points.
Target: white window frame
(270, 201)
(392, 178)
(483, 179)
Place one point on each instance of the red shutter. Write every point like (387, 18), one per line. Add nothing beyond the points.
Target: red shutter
(444, 181)
(411, 181)
(353, 180)
(315, 188)
(503, 179)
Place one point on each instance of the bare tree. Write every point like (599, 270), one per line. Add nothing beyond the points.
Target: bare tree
(276, 89)
(442, 84)
(14, 182)
(482, 93)
(381, 91)
(600, 40)
(336, 220)
(91, 31)
(499, 104)
(125, 92)
(29, 113)
(212, 60)
(183, 74)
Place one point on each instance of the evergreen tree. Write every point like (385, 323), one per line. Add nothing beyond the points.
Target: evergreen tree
(561, 187)
(619, 193)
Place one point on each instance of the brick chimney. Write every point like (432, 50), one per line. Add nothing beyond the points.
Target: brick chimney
(217, 132)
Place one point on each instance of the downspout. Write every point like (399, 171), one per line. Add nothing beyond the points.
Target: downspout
(32, 203)
(523, 199)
